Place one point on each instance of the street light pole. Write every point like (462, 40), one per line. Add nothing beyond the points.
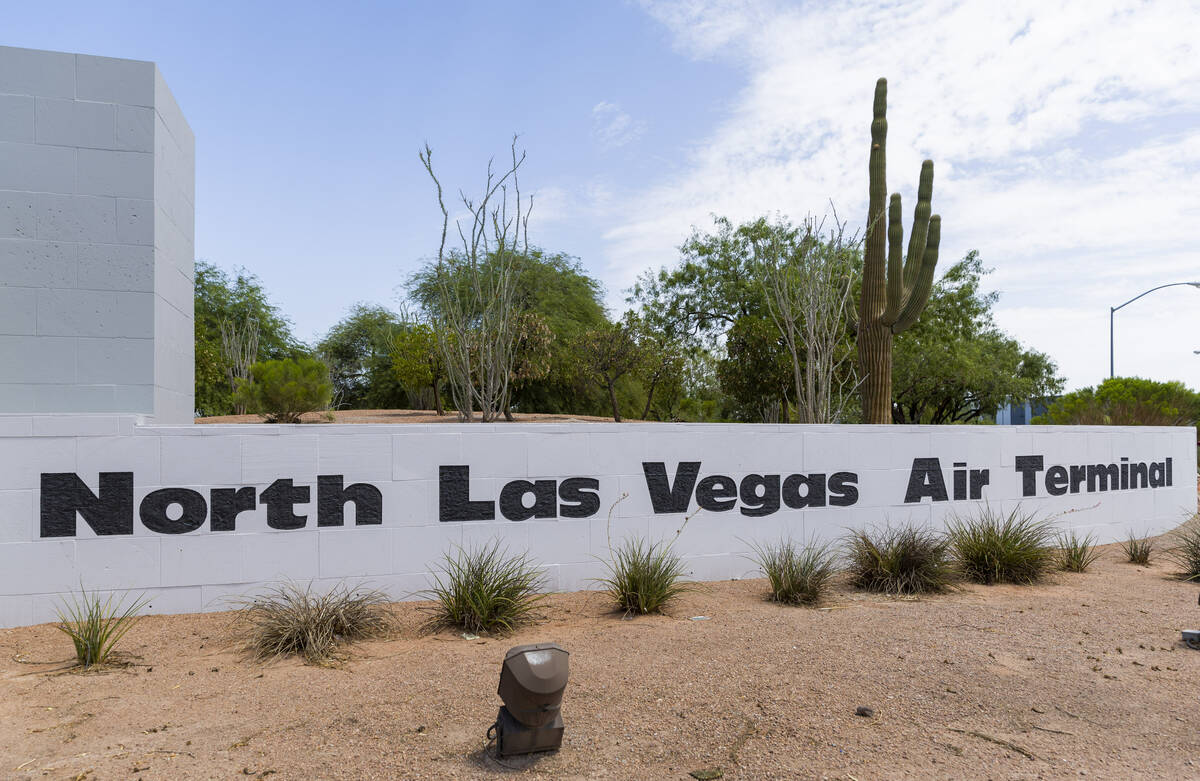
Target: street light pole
(1112, 311)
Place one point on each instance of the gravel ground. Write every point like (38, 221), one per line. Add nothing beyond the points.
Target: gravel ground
(1082, 676)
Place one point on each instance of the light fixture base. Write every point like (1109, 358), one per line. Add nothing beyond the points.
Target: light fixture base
(513, 737)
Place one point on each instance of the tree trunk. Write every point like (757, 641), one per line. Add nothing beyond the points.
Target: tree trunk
(649, 398)
(612, 397)
(875, 364)
(437, 398)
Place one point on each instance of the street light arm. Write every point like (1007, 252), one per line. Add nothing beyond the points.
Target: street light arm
(1151, 290)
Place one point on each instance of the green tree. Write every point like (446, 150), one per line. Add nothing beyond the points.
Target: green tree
(756, 371)
(417, 362)
(282, 391)
(609, 353)
(220, 298)
(358, 350)
(954, 365)
(1127, 401)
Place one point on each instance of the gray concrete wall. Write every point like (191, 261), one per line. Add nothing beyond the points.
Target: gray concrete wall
(97, 182)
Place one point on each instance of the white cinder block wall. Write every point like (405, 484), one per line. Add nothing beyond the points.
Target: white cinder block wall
(97, 183)
(200, 567)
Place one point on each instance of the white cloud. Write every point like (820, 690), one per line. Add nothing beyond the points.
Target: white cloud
(1066, 139)
(612, 127)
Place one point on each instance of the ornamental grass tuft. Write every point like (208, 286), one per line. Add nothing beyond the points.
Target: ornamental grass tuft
(293, 620)
(484, 589)
(798, 574)
(1075, 553)
(903, 560)
(1185, 550)
(993, 547)
(96, 625)
(1137, 549)
(644, 577)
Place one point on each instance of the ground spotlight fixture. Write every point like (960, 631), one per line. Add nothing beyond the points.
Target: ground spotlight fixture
(531, 685)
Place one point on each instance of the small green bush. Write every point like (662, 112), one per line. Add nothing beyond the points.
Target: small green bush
(996, 548)
(484, 589)
(1185, 550)
(644, 577)
(904, 560)
(799, 574)
(282, 391)
(292, 620)
(1137, 549)
(1076, 553)
(94, 626)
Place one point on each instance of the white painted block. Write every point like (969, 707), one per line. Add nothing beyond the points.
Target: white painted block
(355, 552)
(16, 425)
(359, 457)
(114, 81)
(75, 218)
(119, 563)
(75, 398)
(37, 168)
(201, 558)
(115, 267)
(18, 217)
(38, 567)
(278, 557)
(512, 537)
(418, 457)
(116, 173)
(409, 502)
(492, 454)
(268, 458)
(197, 460)
(95, 313)
(135, 128)
(117, 361)
(140, 455)
(423, 548)
(35, 72)
(16, 118)
(76, 123)
(18, 511)
(558, 455)
(616, 453)
(22, 461)
(75, 426)
(31, 263)
(18, 311)
(169, 601)
(134, 221)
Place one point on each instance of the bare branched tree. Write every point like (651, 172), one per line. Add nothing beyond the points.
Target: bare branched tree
(239, 345)
(477, 320)
(807, 289)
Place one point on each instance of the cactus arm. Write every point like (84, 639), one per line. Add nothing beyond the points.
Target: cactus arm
(919, 295)
(916, 241)
(895, 266)
(873, 254)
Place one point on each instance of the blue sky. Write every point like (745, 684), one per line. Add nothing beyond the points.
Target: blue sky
(1065, 135)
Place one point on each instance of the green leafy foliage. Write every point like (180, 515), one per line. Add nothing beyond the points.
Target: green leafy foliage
(900, 560)
(221, 298)
(293, 621)
(1137, 549)
(358, 351)
(953, 365)
(1076, 554)
(756, 372)
(609, 353)
(798, 574)
(992, 547)
(96, 625)
(282, 391)
(1126, 401)
(484, 589)
(417, 363)
(644, 577)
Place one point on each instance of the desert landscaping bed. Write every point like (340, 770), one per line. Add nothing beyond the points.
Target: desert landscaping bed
(1083, 675)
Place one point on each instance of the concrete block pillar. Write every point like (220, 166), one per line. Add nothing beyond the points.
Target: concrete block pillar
(97, 186)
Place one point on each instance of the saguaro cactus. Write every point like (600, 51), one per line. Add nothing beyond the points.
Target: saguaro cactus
(895, 290)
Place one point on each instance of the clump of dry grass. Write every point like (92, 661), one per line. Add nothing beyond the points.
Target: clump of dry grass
(644, 577)
(798, 574)
(904, 560)
(1185, 550)
(95, 626)
(484, 589)
(293, 620)
(993, 547)
(1137, 549)
(1076, 553)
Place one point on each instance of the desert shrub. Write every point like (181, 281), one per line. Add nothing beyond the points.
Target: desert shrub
(1137, 549)
(95, 626)
(644, 577)
(1127, 401)
(1185, 550)
(483, 589)
(1076, 553)
(293, 620)
(282, 391)
(799, 574)
(904, 560)
(993, 547)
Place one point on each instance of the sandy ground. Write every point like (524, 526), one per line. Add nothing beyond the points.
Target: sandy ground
(1083, 676)
(405, 416)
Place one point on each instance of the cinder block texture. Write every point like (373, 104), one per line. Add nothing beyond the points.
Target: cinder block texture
(191, 515)
(97, 186)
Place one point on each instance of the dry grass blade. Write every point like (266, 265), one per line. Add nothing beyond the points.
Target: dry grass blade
(293, 620)
(94, 626)
(1076, 553)
(484, 590)
(996, 548)
(1185, 549)
(904, 560)
(1137, 549)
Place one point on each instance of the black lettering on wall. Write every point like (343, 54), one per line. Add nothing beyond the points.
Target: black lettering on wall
(280, 497)
(814, 491)
(512, 500)
(979, 478)
(332, 498)
(1056, 480)
(758, 505)
(1029, 466)
(664, 496)
(960, 480)
(64, 495)
(926, 479)
(454, 497)
(843, 490)
(153, 510)
(1168, 473)
(226, 504)
(717, 493)
(1105, 475)
(579, 497)
(1139, 477)
(1158, 472)
(1078, 475)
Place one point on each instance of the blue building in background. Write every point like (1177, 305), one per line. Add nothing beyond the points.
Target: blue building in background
(1021, 413)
